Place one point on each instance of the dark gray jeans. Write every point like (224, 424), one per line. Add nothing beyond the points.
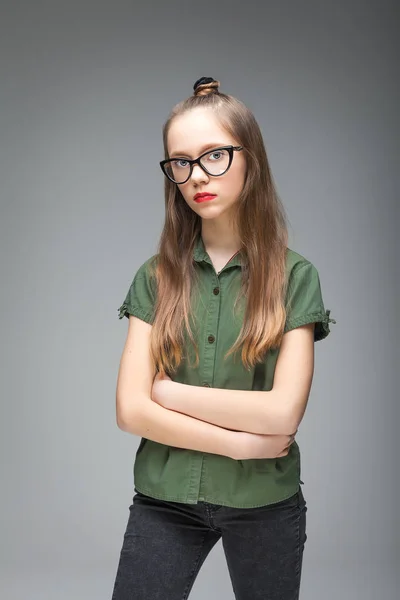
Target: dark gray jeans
(166, 543)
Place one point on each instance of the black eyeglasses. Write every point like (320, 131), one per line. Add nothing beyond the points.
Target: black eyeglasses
(180, 173)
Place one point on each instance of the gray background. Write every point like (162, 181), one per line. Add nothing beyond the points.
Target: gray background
(85, 88)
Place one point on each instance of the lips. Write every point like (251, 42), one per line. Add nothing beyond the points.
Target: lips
(203, 197)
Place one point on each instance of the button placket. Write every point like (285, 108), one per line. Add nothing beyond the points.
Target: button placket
(212, 324)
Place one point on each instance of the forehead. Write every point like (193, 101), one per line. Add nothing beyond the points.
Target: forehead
(190, 132)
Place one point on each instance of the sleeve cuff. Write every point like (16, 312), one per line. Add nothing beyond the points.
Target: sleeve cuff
(125, 310)
(321, 320)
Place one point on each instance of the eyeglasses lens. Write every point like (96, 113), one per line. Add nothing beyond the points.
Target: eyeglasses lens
(215, 163)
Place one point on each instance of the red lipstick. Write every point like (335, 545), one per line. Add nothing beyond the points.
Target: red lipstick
(203, 197)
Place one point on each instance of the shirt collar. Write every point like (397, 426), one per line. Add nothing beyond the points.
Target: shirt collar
(200, 254)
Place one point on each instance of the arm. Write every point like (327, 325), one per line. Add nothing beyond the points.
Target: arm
(278, 411)
(242, 410)
(136, 412)
(156, 423)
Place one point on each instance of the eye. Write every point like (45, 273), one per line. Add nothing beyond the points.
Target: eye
(219, 153)
(175, 162)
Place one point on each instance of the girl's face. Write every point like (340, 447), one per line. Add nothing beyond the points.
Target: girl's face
(193, 134)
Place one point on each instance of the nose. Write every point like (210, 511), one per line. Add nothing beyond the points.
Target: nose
(198, 174)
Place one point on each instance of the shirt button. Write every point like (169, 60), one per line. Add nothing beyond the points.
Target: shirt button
(206, 385)
(211, 339)
(216, 291)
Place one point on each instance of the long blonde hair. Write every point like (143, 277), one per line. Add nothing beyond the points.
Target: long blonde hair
(260, 220)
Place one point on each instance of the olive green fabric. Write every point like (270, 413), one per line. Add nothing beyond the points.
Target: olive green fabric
(182, 475)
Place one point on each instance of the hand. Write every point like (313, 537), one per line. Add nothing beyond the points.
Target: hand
(255, 445)
(158, 388)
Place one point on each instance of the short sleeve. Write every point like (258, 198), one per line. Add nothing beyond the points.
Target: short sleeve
(141, 296)
(304, 303)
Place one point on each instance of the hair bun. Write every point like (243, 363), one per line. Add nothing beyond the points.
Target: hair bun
(206, 85)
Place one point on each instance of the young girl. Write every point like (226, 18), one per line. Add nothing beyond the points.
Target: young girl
(217, 368)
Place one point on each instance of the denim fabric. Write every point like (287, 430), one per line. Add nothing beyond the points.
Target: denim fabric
(166, 543)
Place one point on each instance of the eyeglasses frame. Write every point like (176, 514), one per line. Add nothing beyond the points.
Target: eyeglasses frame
(195, 161)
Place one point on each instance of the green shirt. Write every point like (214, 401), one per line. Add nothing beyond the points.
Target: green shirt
(184, 475)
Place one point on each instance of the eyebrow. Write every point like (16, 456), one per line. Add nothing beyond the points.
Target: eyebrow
(203, 149)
